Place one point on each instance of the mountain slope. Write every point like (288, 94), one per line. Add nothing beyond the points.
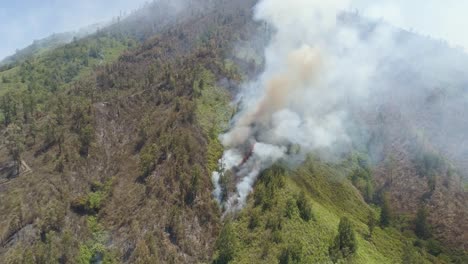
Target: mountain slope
(110, 142)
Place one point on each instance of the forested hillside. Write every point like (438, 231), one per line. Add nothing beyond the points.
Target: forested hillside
(108, 144)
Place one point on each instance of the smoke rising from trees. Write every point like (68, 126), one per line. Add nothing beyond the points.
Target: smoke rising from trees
(323, 65)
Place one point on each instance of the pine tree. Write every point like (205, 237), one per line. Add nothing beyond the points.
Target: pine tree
(305, 209)
(422, 228)
(226, 245)
(345, 243)
(371, 222)
(15, 145)
(385, 213)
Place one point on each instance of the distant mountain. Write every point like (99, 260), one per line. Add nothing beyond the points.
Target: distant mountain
(49, 43)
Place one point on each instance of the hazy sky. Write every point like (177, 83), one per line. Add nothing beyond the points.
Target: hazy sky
(444, 19)
(23, 21)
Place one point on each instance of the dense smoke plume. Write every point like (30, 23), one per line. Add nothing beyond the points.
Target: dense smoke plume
(320, 65)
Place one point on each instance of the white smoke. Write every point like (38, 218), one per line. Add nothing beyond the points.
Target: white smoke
(318, 66)
(298, 102)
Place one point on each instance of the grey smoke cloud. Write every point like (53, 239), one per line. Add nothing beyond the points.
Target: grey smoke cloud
(319, 68)
(299, 95)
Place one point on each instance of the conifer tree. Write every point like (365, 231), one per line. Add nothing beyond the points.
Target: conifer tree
(385, 213)
(345, 243)
(422, 228)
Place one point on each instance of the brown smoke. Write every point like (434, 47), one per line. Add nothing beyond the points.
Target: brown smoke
(303, 66)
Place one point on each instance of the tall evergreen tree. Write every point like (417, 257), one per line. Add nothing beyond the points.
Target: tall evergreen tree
(226, 245)
(421, 226)
(371, 222)
(15, 145)
(345, 243)
(386, 212)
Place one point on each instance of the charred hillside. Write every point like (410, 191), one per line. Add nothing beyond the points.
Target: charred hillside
(120, 160)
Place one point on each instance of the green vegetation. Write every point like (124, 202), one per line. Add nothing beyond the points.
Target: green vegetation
(386, 214)
(94, 251)
(361, 177)
(120, 130)
(271, 229)
(305, 209)
(92, 202)
(15, 145)
(291, 254)
(227, 243)
(345, 244)
(371, 223)
(213, 113)
(422, 228)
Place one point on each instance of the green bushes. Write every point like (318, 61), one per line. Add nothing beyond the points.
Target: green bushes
(92, 202)
(88, 204)
(94, 250)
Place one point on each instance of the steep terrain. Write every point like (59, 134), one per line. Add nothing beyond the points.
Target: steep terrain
(109, 142)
